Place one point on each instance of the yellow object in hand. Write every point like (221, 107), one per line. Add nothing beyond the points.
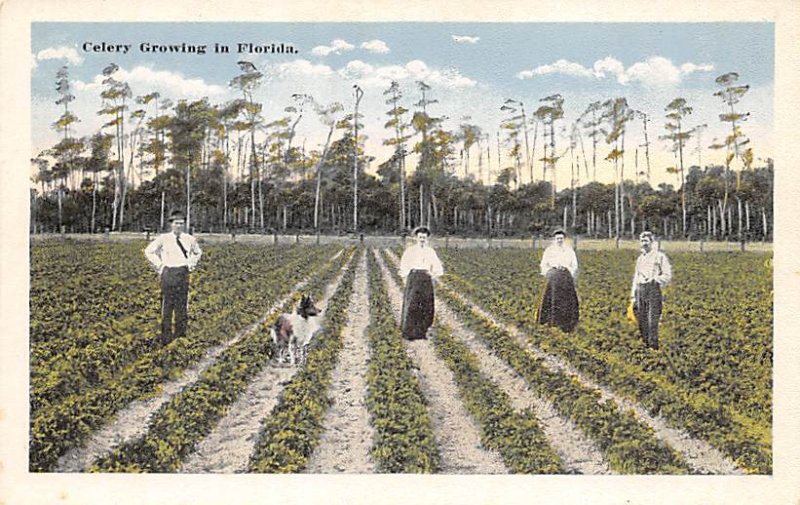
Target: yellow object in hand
(631, 314)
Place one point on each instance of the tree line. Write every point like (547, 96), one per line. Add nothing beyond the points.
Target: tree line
(232, 169)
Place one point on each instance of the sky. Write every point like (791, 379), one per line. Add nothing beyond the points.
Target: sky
(472, 68)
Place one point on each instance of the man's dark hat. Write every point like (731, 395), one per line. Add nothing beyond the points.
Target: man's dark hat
(177, 214)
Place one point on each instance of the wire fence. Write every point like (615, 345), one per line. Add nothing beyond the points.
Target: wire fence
(578, 243)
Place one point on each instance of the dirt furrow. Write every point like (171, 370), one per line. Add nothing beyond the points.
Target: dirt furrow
(228, 447)
(700, 455)
(578, 454)
(347, 437)
(131, 422)
(455, 430)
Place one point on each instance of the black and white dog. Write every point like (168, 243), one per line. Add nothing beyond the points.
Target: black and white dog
(293, 333)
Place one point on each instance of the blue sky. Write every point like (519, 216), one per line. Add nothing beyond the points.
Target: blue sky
(471, 67)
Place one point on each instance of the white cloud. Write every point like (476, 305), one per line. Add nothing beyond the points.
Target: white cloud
(60, 53)
(356, 69)
(418, 68)
(143, 80)
(337, 46)
(653, 72)
(300, 68)
(447, 78)
(370, 76)
(465, 39)
(375, 46)
(688, 68)
(608, 64)
(559, 67)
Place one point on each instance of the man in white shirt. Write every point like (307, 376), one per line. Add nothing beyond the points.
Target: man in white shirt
(559, 304)
(418, 267)
(652, 273)
(173, 255)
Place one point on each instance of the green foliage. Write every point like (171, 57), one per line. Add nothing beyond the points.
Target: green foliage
(178, 425)
(712, 375)
(106, 361)
(517, 436)
(629, 446)
(403, 441)
(290, 433)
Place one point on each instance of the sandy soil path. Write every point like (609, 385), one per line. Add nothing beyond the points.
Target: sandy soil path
(131, 422)
(228, 447)
(453, 427)
(699, 455)
(577, 452)
(347, 436)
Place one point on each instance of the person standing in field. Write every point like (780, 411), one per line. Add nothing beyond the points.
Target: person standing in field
(173, 255)
(559, 266)
(652, 273)
(419, 266)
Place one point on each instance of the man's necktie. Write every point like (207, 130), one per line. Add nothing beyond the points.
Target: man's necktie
(183, 249)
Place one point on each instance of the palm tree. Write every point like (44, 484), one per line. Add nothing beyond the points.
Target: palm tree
(327, 115)
(248, 82)
(731, 94)
(115, 95)
(677, 110)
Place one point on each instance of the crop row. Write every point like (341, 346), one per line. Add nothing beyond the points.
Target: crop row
(290, 433)
(63, 425)
(629, 446)
(403, 441)
(606, 348)
(96, 358)
(82, 293)
(181, 423)
(517, 436)
(716, 332)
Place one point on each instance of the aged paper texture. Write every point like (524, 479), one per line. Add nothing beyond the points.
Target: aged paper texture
(18, 485)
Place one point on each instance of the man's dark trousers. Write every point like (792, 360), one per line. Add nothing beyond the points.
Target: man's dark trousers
(648, 311)
(174, 299)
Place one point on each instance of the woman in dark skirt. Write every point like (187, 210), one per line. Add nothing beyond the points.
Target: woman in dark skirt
(559, 303)
(418, 267)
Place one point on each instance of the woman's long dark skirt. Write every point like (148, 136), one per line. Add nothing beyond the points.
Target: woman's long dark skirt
(559, 305)
(417, 305)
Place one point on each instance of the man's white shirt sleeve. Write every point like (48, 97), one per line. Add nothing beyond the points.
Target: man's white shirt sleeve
(153, 253)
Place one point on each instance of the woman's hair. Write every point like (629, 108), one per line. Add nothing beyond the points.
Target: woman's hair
(647, 234)
(559, 231)
(421, 229)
